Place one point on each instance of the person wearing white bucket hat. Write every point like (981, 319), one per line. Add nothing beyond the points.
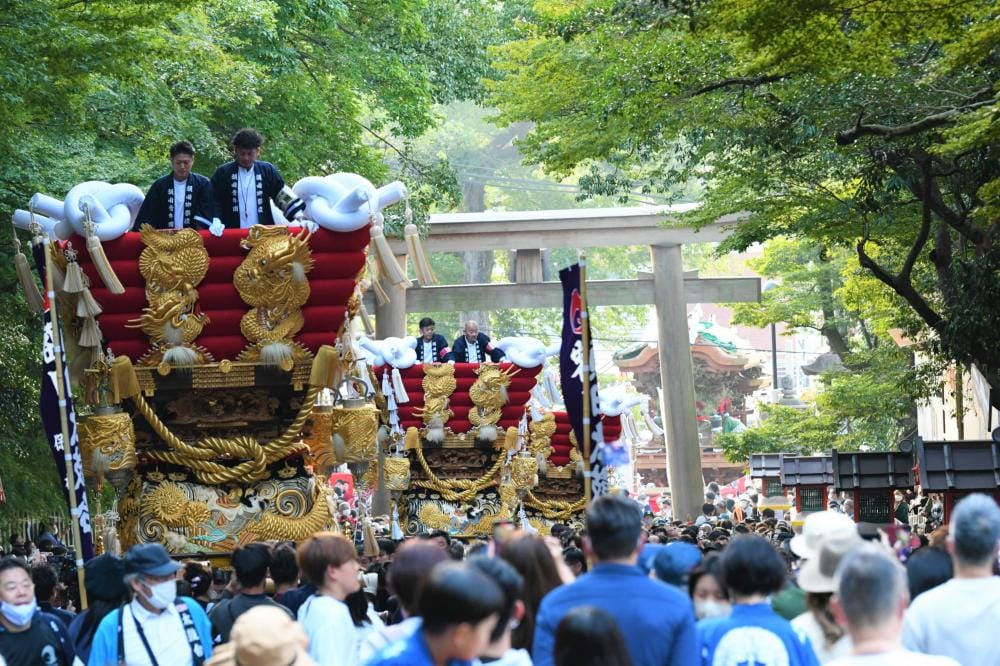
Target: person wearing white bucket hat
(816, 577)
(818, 526)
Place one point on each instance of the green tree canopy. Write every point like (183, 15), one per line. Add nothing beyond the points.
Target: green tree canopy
(867, 126)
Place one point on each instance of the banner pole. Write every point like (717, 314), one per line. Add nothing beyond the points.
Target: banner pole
(64, 422)
(585, 371)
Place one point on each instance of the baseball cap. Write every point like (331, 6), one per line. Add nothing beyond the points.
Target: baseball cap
(150, 559)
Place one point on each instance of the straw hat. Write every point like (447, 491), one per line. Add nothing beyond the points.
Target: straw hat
(817, 573)
(264, 636)
(816, 527)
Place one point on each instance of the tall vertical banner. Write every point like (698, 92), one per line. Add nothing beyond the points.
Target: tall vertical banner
(50, 405)
(571, 361)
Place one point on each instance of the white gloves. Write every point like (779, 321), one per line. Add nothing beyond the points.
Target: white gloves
(216, 228)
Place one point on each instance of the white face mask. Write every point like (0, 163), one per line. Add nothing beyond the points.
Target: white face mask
(709, 609)
(18, 614)
(163, 594)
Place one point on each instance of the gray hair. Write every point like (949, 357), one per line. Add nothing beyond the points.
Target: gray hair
(975, 530)
(871, 584)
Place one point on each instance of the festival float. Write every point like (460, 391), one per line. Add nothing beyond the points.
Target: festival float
(219, 380)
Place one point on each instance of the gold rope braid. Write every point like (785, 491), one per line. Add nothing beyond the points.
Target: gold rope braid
(201, 457)
(554, 509)
(448, 489)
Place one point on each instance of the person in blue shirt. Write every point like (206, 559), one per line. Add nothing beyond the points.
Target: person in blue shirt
(459, 608)
(656, 620)
(157, 626)
(753, 633)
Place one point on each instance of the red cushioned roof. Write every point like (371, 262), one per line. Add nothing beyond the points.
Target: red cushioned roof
(337, 257)
(519, 393)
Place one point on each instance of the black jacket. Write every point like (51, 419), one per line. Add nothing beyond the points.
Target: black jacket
(225, 185)
(484, 350)
(157, 208)
(442, 353)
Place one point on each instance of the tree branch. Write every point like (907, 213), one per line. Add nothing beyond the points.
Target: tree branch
(847, 137)
(742, 81)
(902, 287)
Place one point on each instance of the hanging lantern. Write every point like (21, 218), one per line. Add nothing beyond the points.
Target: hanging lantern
(107, 446)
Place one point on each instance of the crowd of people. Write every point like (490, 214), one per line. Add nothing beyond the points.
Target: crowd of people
(624, 588)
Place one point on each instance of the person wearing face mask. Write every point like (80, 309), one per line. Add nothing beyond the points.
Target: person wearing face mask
(156, 628)
(709, 597)
(28, 637)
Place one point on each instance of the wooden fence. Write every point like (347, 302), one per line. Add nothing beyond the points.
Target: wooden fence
(26, 526)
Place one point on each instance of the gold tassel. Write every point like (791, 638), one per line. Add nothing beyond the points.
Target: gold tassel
(90, 333)
(124, 383)
(511, 439)
(412, 439)
(58, 276)
(103, 266)
(371, 542)
(326, 368)
(425, 274)
(381, 297)
(388, 266)
(366, 321)
(87, 306)
(32, 296)
(73, 282)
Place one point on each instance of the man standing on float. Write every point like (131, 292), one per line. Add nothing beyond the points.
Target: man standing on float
(431, 346)
(179, 199)
(244, 186)
(475, 347)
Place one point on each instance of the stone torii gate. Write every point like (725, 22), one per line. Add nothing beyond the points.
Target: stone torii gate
(668, 288)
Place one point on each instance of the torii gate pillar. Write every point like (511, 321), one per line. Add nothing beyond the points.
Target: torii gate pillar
(677, 379)
(390, 319)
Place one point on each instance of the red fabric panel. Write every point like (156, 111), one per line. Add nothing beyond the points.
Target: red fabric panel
(338, 257)
(611, 426)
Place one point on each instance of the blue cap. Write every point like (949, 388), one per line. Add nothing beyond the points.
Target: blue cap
(675, 561)
(149, 559)
(647, 555)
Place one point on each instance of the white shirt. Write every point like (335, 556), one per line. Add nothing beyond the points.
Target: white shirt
(895, 658)
(333, 638)
(165, 633)
(180, 192)
(246, 194)
(429, 352)
(958, 619)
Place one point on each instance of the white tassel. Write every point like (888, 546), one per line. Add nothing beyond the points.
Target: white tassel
(650, 423)
(388, 265)
(386, 384)
(543, 464)
(541, 397)
(425, 274)
(536, 413)
(180, 356)
(87, 306)
(90, 333)
(488, 433)
(552, 388)
(397, 532)
(397, 384)
(526, 525)
(391, 402)
(275, 353)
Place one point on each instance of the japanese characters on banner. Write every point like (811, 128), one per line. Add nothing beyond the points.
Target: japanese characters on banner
(53, 431)
(571, 376)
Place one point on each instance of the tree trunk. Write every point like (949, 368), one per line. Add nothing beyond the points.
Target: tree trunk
(478, 263)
